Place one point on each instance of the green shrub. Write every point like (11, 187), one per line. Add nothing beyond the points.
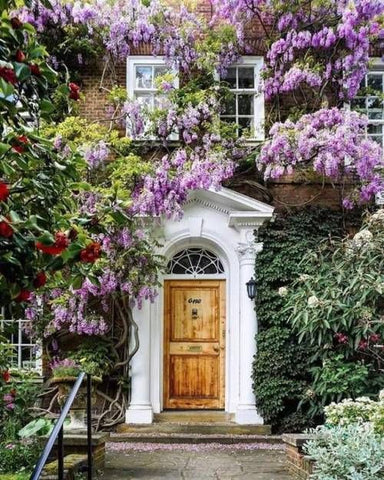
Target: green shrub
(353, 452)
(17, 397)
(18, 456)
(281, 373)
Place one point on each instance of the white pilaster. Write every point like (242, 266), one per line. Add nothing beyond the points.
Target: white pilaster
(246, 412)
(140, 409)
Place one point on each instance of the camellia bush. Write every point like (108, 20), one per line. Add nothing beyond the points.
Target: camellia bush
(36, 181)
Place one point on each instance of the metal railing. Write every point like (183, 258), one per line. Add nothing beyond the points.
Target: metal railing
(57, 433)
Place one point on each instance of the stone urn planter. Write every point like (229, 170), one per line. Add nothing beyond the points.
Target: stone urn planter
(77, 412)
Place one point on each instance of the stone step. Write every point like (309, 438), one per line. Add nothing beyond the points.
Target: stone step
(72, 464)
(203, 428)
(192, 438)
(188, 416)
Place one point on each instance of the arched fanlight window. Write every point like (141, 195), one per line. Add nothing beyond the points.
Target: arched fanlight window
(195, 261)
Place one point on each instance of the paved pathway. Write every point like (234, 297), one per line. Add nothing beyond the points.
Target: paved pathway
(194, 462)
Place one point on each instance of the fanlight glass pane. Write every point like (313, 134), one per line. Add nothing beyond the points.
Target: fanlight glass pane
(195, 261)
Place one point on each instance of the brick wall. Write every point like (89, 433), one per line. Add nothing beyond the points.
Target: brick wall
(298, 464)
(285, 193)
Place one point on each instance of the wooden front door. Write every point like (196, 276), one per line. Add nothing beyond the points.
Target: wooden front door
(194, 349)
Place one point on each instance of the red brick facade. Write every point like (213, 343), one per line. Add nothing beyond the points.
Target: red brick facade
(285, 193)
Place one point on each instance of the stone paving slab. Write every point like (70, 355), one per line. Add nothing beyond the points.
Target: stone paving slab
(190, 462)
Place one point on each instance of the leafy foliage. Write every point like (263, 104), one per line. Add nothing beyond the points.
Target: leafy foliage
(36, 180)
(18, 456)
(342, 453)
(281, 368)
(337, 310)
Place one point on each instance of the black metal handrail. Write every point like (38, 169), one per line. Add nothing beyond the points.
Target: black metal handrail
(57, 433)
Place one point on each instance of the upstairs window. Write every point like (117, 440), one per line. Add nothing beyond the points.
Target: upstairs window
(369, 101)
(141, 82)
(246, 107)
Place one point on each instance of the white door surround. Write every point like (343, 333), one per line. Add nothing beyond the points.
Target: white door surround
(222, 222)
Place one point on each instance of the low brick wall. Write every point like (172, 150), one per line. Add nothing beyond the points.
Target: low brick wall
(77, 444)
(300, 466)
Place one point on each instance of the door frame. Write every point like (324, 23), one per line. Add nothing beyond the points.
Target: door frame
(221, 284)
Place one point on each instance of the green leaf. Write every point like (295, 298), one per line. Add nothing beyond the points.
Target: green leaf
(4, 147)
(22, 71)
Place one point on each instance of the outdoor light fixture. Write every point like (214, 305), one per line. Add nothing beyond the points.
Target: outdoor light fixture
(251, 288)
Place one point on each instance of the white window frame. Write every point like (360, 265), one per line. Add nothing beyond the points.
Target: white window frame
(376, 67)
(258, 96)
(146, 61)
(17, 346)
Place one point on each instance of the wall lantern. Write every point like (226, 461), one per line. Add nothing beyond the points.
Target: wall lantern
(251, 288)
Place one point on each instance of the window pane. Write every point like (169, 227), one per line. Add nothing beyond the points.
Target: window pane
(230, 106)
(358, 104)
(375, 108)
(245, 104)
(375, 82)
(144, 77)
(246, 77)
(231, 77)
(377, 138)
(144, 100)
(375, 129)
(160, 70)
(245, 126)
(27, 357)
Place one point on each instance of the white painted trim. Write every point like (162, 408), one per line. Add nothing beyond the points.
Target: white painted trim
(145, 60)
(235, 246)
(258, 101)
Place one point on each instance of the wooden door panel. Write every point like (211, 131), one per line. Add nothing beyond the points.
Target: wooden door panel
(195, 377)
(194, 344)
(205, 326)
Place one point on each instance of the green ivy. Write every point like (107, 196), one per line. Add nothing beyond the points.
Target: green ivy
(281, 373)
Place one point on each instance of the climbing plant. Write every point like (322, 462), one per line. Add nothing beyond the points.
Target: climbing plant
(282, 366)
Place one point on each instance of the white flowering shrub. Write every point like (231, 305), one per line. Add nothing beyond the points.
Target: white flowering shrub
(350, 411)
(352, 452)
(363, 410)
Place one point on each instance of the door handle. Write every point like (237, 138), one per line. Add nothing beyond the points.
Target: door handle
(216, 349)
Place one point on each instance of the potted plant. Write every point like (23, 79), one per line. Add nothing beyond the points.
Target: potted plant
(93, 356)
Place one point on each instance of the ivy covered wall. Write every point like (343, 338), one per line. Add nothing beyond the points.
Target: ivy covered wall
(281, 376)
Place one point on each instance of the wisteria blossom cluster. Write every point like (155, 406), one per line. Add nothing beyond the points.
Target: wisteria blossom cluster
(311, 44)
(333, 143)
(173, 32)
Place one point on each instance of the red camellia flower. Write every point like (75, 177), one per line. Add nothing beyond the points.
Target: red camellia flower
(4, 192)
(20, 56)
(91, 253)
(8, 74)
(6, 230)
(61, 243)
(35, 69)
(23, 296)
(16, 23)
(19, 144)
(6, 376)
(74, 91)
(40, 280)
